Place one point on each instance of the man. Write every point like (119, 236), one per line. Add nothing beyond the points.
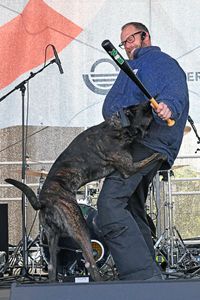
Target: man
(121, 204)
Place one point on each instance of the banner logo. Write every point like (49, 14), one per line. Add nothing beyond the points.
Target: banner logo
(100, 82)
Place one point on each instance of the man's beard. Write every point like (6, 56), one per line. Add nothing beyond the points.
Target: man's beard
(131, 54)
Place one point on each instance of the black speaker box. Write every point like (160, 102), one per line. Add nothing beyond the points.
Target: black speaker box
(4, 228)
(158, 290)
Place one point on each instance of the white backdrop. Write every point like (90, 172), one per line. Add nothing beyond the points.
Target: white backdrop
(75, 98)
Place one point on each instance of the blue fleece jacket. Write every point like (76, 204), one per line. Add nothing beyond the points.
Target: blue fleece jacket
(166, 82)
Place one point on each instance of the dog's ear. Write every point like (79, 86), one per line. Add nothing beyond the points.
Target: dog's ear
(134, 111)
(146, 105)
(142, 106)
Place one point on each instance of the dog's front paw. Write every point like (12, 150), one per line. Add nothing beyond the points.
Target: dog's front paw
(159, 156)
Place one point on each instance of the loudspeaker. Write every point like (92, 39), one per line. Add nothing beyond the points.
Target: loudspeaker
(4, 228)
(129, 290)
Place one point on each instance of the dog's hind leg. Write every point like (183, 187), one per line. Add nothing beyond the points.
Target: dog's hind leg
(52, 238)
(90, 263)
(82, 238)
(71, 222)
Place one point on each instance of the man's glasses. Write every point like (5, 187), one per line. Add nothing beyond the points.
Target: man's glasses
(130, 39)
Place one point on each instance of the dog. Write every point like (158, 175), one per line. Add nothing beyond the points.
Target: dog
(92, 155)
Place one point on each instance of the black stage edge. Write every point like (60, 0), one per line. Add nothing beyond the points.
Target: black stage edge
(129, 290)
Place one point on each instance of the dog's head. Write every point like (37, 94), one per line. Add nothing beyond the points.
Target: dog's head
(140, 117)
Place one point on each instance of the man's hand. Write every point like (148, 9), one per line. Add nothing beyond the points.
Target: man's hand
(163, 111)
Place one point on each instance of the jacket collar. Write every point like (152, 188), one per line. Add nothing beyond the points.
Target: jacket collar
(141, 51)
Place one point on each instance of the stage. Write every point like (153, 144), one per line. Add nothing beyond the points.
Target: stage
(126, 290)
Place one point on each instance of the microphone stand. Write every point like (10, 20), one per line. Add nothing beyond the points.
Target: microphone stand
(195, 131)
(21, 86)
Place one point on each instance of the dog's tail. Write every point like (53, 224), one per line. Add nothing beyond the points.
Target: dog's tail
(27, 191)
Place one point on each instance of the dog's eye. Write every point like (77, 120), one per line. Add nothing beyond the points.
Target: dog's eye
(129, 113)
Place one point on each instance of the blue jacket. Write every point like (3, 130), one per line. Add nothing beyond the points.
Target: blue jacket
(166, 82)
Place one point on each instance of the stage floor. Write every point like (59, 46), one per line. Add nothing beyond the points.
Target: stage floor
(175, 286)
(126, 290)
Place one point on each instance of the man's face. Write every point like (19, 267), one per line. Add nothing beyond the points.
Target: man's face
(131, 39)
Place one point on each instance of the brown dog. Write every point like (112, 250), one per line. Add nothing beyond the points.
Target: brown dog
(92, 155)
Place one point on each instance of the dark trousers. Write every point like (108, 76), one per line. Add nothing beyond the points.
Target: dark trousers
(122, 219)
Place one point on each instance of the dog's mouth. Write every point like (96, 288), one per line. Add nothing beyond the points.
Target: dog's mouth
(137, 132)
(141, 130)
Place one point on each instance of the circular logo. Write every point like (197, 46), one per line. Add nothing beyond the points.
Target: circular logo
(97, 80)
